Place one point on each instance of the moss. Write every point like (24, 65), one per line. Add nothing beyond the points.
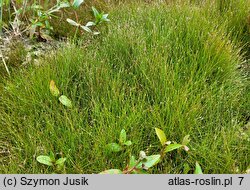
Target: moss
(16, 55)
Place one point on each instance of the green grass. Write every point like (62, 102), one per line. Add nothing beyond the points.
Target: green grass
(173, 67)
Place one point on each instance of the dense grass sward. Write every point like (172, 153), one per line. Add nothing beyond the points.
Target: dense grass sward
(171, 67)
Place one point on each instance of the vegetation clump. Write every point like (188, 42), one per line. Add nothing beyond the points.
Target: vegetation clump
(158, 71)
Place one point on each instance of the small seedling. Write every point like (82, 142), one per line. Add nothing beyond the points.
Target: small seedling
(77, 25)
(139, 166)
(55, 92)
(99, 18)
(117, 147)
(167, 146)
(50, 160)
(145, 162)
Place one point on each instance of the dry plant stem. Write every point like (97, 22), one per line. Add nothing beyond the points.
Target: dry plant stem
(1, 16)
(76, 16)
(14, 24)
(5, 66)
(24, 7)
(162, 151)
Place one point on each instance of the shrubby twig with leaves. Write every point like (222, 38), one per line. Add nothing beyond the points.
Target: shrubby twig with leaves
(144, 162)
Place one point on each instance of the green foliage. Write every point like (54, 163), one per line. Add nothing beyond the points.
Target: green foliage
(167, 146)
(172, 147)
(161, 135)
(58, 165)
(55, 92)
(16, 54)
(198, 169)
(115, 147)
(150, 161)
(186, 168)
(144, 162)
(65, 101)
(173, 68)
(53, 89)
(123, 136)
(36, 17)
(73, 23)
(99, 18)
(40, 20)
(186, 140)
(46, 160)
(77, 3)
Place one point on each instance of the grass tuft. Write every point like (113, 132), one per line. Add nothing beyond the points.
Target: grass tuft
(171, 67)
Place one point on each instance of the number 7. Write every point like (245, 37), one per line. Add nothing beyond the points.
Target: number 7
(241, 179)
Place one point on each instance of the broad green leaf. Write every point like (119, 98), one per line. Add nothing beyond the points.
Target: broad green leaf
(128, 143)
(161, 135)
(77, 3)
(61, 161)
(172, 147)
(46, 160)
(198, 169)
(72, 22)
(186, 168)
(112, 171)
(60, 164)
(65, 101)
(132, 162)
(151, 161)
(53, 89)
(123, 136)
(186, 140)
(114, 147)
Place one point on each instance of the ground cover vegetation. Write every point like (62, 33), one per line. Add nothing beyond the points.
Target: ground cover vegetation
(157, 87)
